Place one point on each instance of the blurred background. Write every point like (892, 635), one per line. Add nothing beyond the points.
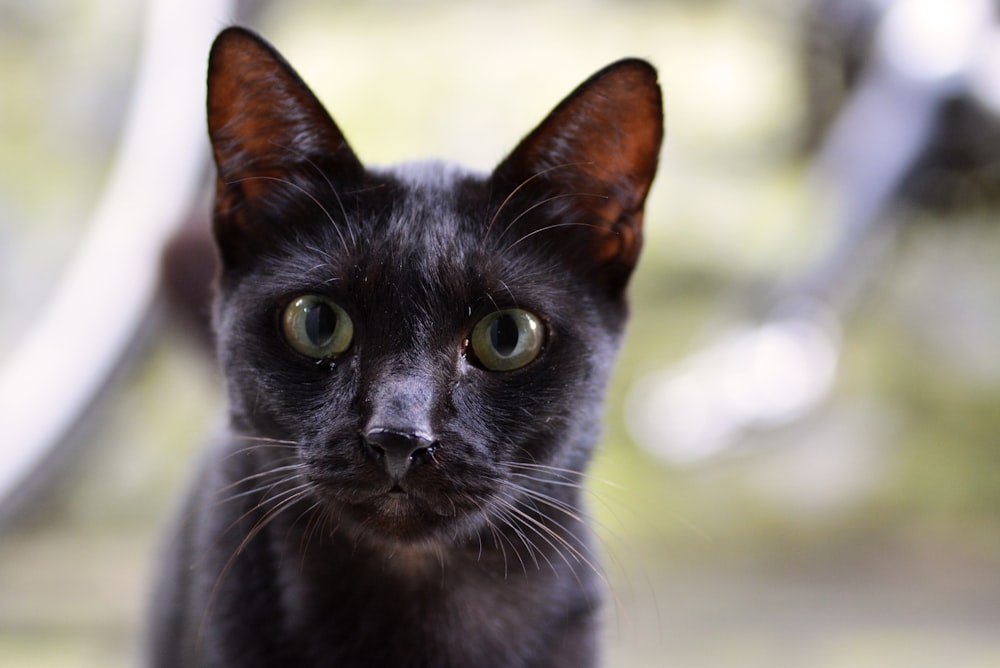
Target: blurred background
(801, 464)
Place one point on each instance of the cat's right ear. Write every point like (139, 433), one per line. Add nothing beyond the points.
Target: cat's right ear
(578, 182)
(267, 128)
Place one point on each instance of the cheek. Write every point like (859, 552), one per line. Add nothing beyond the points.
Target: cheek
(506, 411)
(308, 403)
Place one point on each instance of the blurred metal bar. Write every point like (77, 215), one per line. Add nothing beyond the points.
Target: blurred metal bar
(63, 363)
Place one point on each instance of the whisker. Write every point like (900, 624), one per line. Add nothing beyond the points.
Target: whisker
(550, 481)
(312, 526)
(563, 539)
(329, 260)
(534, 551)
(214, 498)
(543, 202)
(552, 227)
(260, 439)
(510, 293)
(506, 520)
(254, 531)
(256, 476)
(278, 498)
(323, 175)
(291, 184)
(612, 541)
(259, 444)
(557, 542)
(336, 196)
(250, 492)
(266, 519)
(552, 502)
(497, 543)
(521, 185)
(583, 518)
(479, 538)
(571, 511)
(567, 472)
(544, 533)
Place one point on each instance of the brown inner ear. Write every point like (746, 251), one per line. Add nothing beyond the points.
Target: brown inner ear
(262, 118)
(268, 131)
(603, 140)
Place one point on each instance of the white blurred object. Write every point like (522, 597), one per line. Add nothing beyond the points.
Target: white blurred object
(754, 378)
(935, 42)
(48, 383)
(984, 82)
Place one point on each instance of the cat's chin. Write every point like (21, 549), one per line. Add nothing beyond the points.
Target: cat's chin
(399, 517)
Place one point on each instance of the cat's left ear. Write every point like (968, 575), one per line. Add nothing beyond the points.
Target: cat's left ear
(580, 179)
(267, 129)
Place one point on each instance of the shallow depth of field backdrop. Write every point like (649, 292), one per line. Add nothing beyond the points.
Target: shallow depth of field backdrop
(867, 533)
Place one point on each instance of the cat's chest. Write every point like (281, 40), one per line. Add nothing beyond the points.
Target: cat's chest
(419, 611)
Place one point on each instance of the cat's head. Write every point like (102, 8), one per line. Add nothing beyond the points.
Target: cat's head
(434, 343)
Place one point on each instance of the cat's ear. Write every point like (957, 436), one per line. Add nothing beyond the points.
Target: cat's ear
(580, 179)
(266, 129)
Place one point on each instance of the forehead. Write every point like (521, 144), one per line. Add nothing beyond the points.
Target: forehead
(429, 231)
(435, 216)
(441, 243)
(435, 207)
(417, 233)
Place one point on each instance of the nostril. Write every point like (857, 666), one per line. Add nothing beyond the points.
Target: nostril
(422, 455)
(376, 452)
(396, 450)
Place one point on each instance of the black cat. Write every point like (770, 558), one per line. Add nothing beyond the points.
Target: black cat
(415, 360)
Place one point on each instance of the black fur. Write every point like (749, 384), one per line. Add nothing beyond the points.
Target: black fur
(296, 548)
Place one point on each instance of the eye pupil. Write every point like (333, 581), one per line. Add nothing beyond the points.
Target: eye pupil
(320, 324)
(504, 335)
(317, 327)
(506, 340)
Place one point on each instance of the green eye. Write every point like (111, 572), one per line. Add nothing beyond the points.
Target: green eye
(507, 340)
(316, 327)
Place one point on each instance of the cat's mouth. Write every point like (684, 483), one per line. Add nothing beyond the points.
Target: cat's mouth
(397, 511)
(422, 506)
(400, 515)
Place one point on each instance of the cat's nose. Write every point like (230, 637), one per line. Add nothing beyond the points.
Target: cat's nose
(397, 451)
